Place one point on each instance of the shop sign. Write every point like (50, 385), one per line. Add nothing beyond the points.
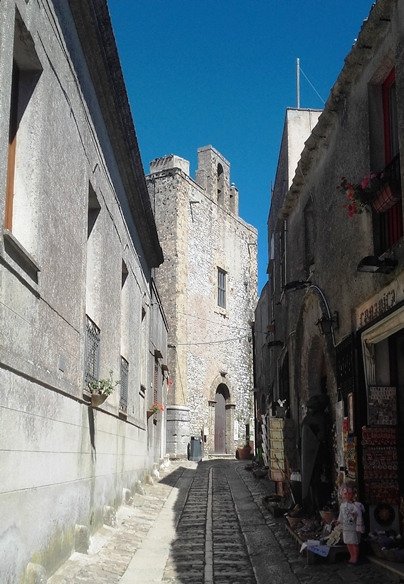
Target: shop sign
(380, 303)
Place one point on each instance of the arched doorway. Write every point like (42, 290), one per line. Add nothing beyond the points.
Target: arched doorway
(221, 397)
(317, 430)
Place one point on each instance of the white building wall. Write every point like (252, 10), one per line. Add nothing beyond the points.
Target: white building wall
(62, 461)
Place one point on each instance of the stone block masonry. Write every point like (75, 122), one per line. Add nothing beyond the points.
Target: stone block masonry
(210, 349)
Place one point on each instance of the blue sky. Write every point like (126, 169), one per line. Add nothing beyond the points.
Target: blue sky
(222, 72)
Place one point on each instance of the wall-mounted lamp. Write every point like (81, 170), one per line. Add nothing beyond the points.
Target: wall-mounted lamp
(326, 324)
(376, 265)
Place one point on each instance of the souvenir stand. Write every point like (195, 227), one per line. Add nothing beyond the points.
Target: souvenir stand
(277, 463)
(264, 440)
(379, 457)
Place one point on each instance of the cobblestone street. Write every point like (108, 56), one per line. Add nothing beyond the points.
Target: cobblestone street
(204, 524)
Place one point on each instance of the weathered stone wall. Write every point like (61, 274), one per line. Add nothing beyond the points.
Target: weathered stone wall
(346, 142)
(262, 353)
(297, 127)
(198, 235)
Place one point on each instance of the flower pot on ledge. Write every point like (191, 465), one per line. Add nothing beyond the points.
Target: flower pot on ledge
(97, 399)
(155, 408)
(384, 199)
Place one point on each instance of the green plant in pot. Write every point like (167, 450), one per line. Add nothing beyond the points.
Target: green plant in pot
(100, 389)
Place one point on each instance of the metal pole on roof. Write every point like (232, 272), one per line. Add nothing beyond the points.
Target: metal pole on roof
(298, 82)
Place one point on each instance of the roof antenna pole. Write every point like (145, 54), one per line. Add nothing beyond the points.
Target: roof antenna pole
(298, 82)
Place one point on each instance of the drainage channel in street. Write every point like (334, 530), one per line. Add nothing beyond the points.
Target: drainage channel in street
(209, 547)
(231, 559)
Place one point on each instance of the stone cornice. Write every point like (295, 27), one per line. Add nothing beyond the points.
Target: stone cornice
(98, 43)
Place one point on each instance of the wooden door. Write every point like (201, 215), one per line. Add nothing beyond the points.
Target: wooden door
(220, 424)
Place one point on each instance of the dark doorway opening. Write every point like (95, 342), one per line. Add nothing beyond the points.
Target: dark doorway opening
(221, 397)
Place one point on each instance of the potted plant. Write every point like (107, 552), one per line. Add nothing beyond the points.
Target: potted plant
(373, 191)
(244, 452)
(154, 408)
(100, 389)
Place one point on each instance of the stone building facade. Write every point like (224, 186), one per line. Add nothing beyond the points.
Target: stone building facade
(78, 248)
(337, 278)
(269, 336)
(262, 330)
(208, 285)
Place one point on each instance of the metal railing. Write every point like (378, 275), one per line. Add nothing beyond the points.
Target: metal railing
(123, 399)
(92, 355)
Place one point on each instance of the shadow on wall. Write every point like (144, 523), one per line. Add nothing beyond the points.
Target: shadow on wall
(91, 428)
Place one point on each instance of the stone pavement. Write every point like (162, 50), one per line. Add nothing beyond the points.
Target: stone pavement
(204, 524)
(112, 548)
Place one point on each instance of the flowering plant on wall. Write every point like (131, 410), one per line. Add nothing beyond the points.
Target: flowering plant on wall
(103, 386)
(359, 196)
(156, 407)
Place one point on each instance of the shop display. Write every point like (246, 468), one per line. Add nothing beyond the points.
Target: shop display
(382, 406)
(380, 462)
(384, 517)
(380, 465)
(351, 460)
(386, 546)
(276, 449)
(379, 436)
(264, 440)
(350, 450)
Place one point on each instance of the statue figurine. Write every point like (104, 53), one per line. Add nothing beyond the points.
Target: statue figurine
(313, 454)
(351, 518)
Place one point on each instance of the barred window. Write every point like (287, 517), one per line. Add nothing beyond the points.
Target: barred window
(221, 288)
(155, 380)
(123, 400)
(92, 359)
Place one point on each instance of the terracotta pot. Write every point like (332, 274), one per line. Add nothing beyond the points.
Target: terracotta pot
(97, 399)
(244, 453)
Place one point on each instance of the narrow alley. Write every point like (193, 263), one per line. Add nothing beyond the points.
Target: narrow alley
(204, 524)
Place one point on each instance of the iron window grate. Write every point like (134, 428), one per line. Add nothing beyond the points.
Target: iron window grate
(345, 366)
(123, 400)
(92, 360)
